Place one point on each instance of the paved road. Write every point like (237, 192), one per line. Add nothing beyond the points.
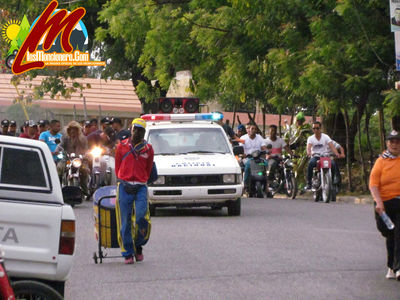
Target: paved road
(277, 249)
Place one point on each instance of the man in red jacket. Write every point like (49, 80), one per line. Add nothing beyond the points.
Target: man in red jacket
(133, 163)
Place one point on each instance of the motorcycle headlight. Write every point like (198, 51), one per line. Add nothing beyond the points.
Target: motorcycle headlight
(76, 163)
(289, 163)
(228, 178)
(160, 180)
(60, 156)
(96, 152)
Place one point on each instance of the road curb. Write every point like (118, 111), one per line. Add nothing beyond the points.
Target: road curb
(362, 199)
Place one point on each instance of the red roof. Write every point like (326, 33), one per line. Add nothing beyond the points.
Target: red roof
(112, 95)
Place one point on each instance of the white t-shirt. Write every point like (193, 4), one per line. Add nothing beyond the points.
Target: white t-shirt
(320, 146)
(277, 145)
(251, 145)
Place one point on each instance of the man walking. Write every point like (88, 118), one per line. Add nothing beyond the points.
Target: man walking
(133, 164)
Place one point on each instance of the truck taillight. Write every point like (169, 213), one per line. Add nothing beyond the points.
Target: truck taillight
(67, 237)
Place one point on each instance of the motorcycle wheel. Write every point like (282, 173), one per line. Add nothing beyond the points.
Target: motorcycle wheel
(108, 177)
(326, 187)
(96, 181)
(291, 189)
(28, 289)
(259, 190)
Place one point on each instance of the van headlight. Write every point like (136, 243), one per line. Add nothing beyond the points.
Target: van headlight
(76, 163)
(228, 178)
(160, 180)
(238, 178)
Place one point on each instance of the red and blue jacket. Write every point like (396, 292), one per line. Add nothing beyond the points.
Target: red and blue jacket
(133, 163)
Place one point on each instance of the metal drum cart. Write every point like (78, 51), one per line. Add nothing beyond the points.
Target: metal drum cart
(105, 226)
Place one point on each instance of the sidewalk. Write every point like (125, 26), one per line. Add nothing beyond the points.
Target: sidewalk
(360, 199)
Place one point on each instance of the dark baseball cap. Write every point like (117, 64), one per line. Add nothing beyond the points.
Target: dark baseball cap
(30, 123)
(105, 120)
(393, 135)
(13, 123)
(87, 123)
(5, 123)
(43, 122)
(116, 120)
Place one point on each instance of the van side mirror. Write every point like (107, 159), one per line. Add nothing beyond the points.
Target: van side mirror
(237, 150)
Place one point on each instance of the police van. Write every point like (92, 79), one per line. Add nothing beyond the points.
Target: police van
(195, 163)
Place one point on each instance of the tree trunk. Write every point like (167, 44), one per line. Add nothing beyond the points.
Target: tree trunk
(363, 170)
(371, 151)
(234, 116)
(382, 129)
(279, 125)
(348, 160)
(264, 110)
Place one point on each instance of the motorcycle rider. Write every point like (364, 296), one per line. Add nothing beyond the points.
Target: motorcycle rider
(336, 171)
(275, 153)
(318, 144)
(74, 142)
(251, 142)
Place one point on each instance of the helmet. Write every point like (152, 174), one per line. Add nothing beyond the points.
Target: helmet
(300, 116)
(139, 122)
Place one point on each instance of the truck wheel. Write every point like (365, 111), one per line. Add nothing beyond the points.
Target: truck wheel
(28, 289)
(152, 209)
(234, 207)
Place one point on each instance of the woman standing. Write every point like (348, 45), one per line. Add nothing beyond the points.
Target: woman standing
(384, 185)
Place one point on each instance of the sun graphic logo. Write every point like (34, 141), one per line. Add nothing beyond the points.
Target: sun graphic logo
(14, 33)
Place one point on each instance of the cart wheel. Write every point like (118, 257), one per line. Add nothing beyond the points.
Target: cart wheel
(95, 257)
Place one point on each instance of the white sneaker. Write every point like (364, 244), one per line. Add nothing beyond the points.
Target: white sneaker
(390, 274)
(398, 275)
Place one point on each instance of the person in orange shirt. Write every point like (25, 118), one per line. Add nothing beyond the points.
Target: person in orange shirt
(384, 184)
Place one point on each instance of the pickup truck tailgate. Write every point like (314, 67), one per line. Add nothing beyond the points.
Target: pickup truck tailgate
(30, 235)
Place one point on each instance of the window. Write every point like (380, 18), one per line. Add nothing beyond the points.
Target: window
(184, 140)
(22, 167)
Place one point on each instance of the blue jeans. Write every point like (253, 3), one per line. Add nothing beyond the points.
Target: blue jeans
(133, 219)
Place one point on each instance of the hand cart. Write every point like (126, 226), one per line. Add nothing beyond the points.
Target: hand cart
(105, 226)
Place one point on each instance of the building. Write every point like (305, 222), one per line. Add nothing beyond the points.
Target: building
(103, 98)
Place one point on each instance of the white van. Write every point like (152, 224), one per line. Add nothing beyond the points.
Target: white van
(195, 163)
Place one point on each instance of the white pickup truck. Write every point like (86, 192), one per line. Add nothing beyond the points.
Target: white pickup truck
(37, 230)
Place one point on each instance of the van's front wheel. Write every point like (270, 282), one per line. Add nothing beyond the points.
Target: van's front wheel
(234, 207)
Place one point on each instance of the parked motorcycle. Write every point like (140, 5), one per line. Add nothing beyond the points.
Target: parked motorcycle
(103, 169)
(284, 179)
(322, 181)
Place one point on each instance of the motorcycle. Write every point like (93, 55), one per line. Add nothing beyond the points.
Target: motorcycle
(258, 175)
(284, 178)
(322, 181)
(70, 179)
(103, 169)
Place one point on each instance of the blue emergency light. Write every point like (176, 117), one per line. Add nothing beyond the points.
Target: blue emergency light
(216, 116)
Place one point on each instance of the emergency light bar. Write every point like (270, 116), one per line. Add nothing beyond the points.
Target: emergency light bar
(183, 117)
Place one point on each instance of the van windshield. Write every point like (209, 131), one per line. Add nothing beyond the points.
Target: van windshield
(171, 141)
